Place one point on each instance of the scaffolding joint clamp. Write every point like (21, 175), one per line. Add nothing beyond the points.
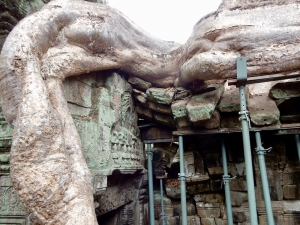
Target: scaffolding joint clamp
(262, 151)
(181, 176)
(245, 116)
(226, 179)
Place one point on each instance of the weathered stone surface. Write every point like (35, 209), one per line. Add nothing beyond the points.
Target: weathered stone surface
(220, 221)
(199, 187)
(291, 191)
(291, 175)
(139, 83)
(209, 198)
(263, 110)
(164, 119)
(238, 198)
(190, 209)
(230, 120)
(160, 95)
(173, 188)
(212, 123)
(208, 210)
(144, 113)
(240, 214)
(179, 108)
(182, 122)
(208, 221)
(201, 107)
(140, 97)
(110, 134)
(238, 184)
(230, 101)
(285, 90)
(182, 93)
(165, 109)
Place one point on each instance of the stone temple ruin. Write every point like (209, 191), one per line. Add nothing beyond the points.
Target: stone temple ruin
(103, 124)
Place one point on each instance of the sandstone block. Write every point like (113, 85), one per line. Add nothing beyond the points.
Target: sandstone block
(285, 90)
(209, 198)
(139, 83)
(144, 113)
(238, 184)
(263, 110)
(212, 123)
(208, 210)
(238, 198)
(240, 214)
(230, 101)
(291, 191)
(160, 95)
(208, 221)
(165, 109)
(195, 188)
(215, 185)
(164, 119)
(220, 221)
(201, 107)
(182, 122)
(179, 108)
(191, 209)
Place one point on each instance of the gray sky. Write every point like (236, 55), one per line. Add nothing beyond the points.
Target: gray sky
(170, 20)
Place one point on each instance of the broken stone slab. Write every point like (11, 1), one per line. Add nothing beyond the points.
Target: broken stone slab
(230, 101)
(165, 109)
(139, 83)
(201, 107)
(163, 119)
(144, 113)
(160, 95)
(212, 123)
(285, 90)
(263, 110)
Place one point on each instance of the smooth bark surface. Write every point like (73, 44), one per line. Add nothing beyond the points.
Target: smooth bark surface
(69, 38)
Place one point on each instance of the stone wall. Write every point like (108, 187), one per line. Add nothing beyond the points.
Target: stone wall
(205, 194)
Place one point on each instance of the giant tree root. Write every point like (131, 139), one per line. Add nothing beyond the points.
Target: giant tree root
(68, 38)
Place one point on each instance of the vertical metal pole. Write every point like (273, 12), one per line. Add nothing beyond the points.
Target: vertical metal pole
(182, 182)
(264, 179)
(162, 202)
(150, 184)
(242, 79)
(226, 180)
(297, 144)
